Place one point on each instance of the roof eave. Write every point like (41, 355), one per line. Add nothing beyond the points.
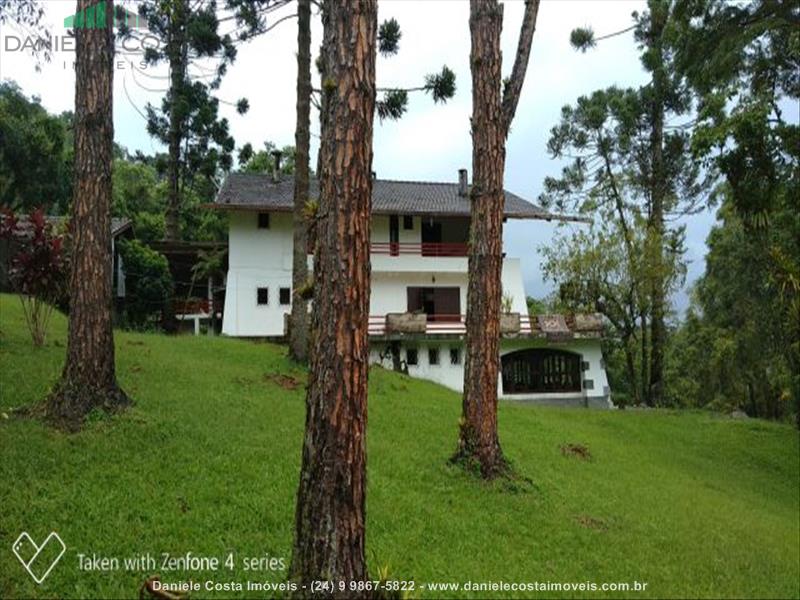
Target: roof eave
(234, 207)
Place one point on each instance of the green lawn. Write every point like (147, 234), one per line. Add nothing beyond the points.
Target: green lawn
(693, 504)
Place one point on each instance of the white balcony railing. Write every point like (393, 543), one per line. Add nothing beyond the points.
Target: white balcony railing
(438, 249)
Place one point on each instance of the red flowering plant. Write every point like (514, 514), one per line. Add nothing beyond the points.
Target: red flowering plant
(36, 267)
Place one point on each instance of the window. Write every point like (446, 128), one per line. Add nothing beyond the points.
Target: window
(433, 356)
(541, 370)
(455, 356)
(263, 220)
(262, 296)
(285, 296)
(411, 356)
(408, 222)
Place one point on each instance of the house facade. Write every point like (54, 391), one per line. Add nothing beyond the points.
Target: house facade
(419, 239)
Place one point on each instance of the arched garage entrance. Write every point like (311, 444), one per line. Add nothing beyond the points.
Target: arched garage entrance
(541, 371)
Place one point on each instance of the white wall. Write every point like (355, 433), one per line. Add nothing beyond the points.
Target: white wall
(257, 258)
(446, 374)
(380, 230)
(389, 289)
(263, 258)
(452, 376)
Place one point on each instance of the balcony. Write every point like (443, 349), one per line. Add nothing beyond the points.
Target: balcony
(554, 328)
(439, 324)
(399, 257)
(436, 249)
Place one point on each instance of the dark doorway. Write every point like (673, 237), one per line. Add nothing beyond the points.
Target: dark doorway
(439, 303)
(431, 237)
(541, 370)
(394, 235)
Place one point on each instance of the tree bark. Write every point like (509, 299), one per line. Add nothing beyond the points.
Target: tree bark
(298, 329)
(331, 500)
(514, 90)
(645, 363)
(630, 366)
(88, 380)
(659, 188)
(479, 443)
(176, 51)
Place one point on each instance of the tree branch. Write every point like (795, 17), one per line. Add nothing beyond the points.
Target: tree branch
(514, 88)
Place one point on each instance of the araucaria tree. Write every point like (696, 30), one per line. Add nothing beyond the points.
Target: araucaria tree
(492, 114)
(608, 137)
(89, 379)
(188, 123)
(331, 499)
(650, 146)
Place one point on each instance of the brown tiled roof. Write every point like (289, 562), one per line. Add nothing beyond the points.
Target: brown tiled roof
(246, 191)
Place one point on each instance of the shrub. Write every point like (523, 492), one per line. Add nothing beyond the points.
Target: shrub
(149, 227)
(37, 267)
(148, 283)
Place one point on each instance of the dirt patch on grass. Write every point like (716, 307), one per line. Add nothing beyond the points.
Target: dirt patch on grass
(244, 381)
(287, 382)
(578, 451)
(591, 522)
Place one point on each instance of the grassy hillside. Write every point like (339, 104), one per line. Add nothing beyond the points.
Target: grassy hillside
(207, 462)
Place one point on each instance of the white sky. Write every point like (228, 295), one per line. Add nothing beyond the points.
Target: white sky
(431, 142)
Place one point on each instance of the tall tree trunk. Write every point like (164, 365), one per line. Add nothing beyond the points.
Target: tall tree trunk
(659, 188)
(478, 437)
(645, 363)
(630, 366)
(331, 499)
(88, 380)
(298, 329)
(177, 73)
(492, 115)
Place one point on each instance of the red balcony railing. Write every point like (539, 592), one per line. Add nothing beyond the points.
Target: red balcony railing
(195, 306)
(422, 249)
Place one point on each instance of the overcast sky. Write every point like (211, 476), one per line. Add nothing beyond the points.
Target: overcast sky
(431, 142)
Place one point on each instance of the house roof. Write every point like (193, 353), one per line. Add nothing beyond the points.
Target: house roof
(118, 224)
(248, 191)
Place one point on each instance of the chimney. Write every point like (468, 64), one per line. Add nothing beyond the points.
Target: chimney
(276, 166)
(462, 182)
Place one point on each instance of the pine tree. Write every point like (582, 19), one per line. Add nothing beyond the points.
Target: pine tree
(392, 105)
(89, 379)
(298, 328)
(492, 114)
(330, 523)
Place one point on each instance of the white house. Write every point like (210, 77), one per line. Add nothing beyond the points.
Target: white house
(419, 285)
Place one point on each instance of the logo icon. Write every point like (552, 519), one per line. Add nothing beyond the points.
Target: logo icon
(38, 560)
(94, 17)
